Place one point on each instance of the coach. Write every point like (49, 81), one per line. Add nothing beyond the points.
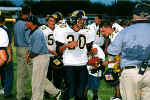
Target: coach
(133, 44)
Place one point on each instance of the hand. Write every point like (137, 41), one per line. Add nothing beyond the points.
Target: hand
(105, 63)
(27, 57)
(3, 57)
(72, 44)
(94, 51)
(53, 52)
(95, 65)
(27, 54)
(9, 59)
(69, 45)
(28, 60)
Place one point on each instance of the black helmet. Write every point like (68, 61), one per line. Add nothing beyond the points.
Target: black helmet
(77, 14)
(58, 16)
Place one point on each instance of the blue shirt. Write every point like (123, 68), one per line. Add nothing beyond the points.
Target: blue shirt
(19, 33)
(133, 44)
(37, 43)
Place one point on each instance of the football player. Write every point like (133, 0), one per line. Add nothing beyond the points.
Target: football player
(4, 41)
(111, 30)
(74, 43)
(95, 71)
(59, 18)
(95, 26)
(7, 76)
(3, 45)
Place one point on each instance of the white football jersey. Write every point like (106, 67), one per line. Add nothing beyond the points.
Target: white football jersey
(117, 29)
(76, 56)
(4, 40)
(99, 54)
(93, 27)
(48, 34)
(99, 38)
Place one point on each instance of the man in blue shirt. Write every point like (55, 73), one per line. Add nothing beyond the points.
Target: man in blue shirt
(133, 44)
(23, 69)
(38, 52)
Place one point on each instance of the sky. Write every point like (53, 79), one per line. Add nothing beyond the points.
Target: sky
(110, 2)
(20, 2)
(103, 2)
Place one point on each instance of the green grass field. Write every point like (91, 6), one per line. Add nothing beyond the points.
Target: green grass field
(105, 91)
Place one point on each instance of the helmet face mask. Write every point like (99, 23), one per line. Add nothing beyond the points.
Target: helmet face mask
(78, 16)
(73, 20)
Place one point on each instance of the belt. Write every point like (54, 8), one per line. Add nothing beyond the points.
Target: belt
(130, 67)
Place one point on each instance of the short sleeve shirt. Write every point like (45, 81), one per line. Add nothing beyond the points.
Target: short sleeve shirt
(133, 44)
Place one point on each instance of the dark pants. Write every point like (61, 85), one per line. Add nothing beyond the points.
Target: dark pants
(7, 78)
(76, 79)
(55, 74)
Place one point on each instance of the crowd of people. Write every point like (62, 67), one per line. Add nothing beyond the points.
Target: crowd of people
(66, 58)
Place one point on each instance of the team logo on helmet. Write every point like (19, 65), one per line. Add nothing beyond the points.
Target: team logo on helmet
(58, 16)
(79, 14)
(76, 15)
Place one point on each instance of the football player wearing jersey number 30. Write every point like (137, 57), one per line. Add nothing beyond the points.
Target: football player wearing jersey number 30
(74, 43)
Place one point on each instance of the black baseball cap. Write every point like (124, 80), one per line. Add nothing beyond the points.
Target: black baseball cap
(32, 19)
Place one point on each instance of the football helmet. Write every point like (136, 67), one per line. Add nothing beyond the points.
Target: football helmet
(76, 15)
(111, 77)
(58, 16)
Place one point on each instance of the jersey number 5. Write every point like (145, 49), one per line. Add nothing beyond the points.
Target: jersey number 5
(50, 39)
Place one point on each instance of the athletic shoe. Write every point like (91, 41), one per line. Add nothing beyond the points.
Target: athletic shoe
(58, 95)
(1, 91)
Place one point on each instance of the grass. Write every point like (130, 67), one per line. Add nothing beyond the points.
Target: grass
(105, 91)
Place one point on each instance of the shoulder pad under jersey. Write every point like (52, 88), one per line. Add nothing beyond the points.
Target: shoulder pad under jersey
(43, 27)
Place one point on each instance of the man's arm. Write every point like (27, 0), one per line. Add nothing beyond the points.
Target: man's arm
(69, 45)
(9, 51)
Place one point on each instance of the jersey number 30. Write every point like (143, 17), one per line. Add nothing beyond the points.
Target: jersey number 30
(81, 41)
